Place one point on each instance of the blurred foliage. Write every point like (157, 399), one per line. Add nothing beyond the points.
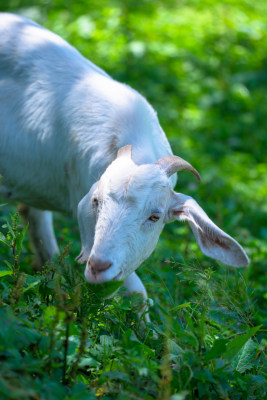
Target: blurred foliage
(203, 66)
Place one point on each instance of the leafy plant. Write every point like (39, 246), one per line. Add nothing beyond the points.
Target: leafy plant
(203, 67)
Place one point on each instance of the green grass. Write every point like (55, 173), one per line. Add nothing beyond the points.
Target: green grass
(60, 339)
(202, 65)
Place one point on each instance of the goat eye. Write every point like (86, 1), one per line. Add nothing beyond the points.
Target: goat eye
(154, 218)
(95, 201)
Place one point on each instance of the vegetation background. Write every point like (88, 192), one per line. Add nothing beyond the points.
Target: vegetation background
(203, 66)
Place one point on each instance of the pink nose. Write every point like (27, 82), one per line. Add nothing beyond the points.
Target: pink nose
(98, 264)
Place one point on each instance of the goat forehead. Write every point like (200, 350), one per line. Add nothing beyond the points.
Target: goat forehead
(116, 175)
(147, 178)
(128, 182)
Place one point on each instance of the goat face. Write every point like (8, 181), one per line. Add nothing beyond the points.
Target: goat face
(129, 205)
(124, 213)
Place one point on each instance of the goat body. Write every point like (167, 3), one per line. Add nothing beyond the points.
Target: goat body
(63, 119)
(62, 122)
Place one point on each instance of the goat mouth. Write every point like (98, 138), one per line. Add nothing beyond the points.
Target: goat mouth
(101, 277)
(117, 277)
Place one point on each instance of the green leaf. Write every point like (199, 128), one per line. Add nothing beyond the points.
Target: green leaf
(243, 359)
(184, 305)
(204, 376)
(222, 347)
(31, 282)
(174, 348)
(20, 238)
(116, 375)
(104, 290)
(218, 348)
(28, 335)
(236, 344)
(88, 362)
(2, 238)
(9, 265)
(80, 392)
(10, 229)
(106, 341)
(5, 272)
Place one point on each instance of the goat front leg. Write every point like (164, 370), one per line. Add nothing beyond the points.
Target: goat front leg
(41, 233)
(134, 284)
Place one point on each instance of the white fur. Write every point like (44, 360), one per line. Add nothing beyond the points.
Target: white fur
(62, 121)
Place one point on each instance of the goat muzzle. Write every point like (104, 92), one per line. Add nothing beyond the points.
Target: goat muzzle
(98, 265)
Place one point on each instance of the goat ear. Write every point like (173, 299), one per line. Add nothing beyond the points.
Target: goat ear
(86, 220)
(125, 151)
(211, 240)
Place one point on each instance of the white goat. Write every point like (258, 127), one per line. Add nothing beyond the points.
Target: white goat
(62, 122)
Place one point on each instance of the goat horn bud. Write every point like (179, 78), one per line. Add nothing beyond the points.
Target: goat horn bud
(125, 151)
(172, 164)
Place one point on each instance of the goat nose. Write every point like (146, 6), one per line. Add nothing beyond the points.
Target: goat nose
(99, 264)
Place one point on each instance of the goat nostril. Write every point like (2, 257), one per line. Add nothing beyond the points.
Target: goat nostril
(98, 264)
